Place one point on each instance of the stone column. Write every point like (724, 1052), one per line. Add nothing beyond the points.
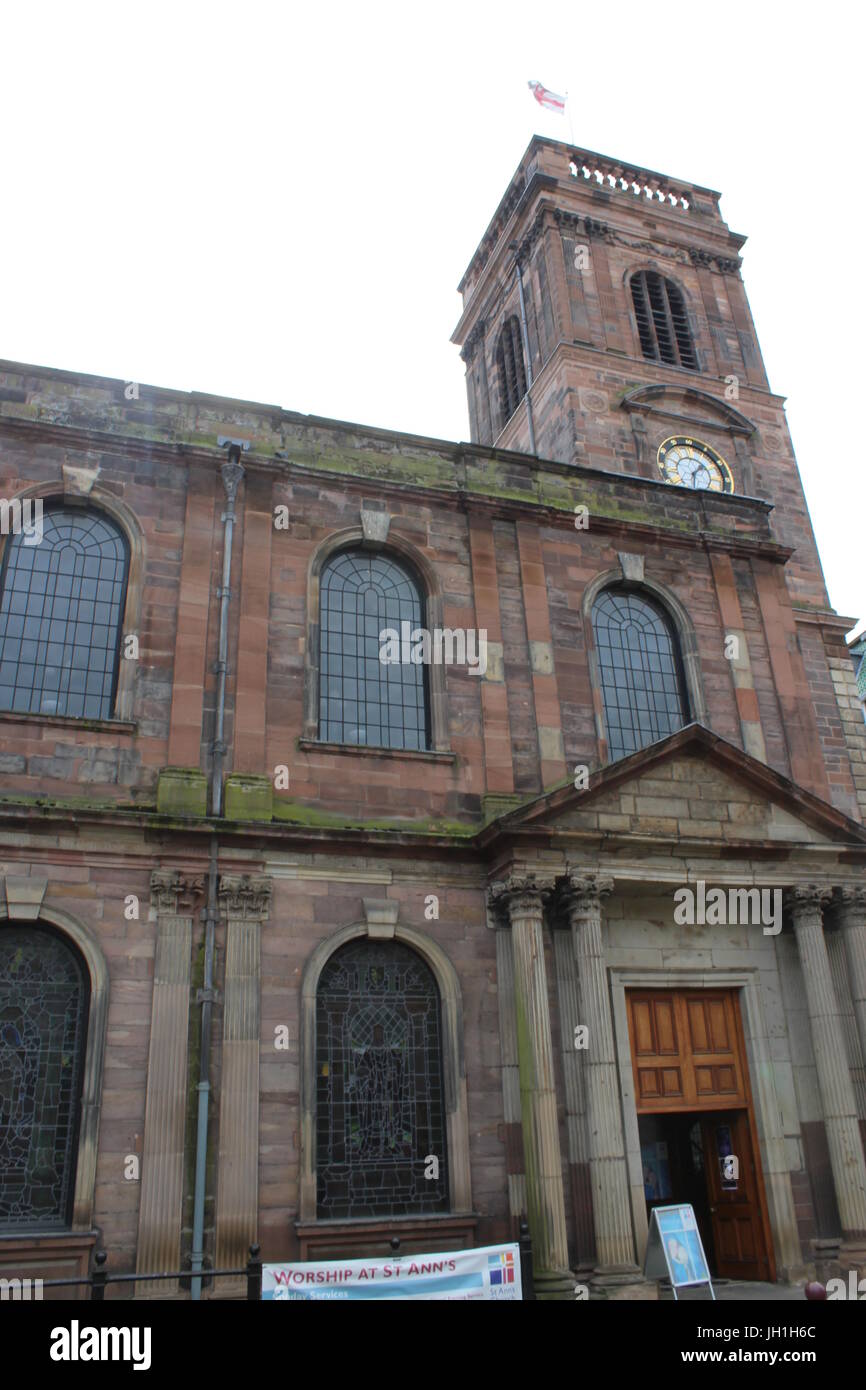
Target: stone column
(573, 1061)
(611, 1203)
(244, 901)
(850, 904)
(520, 900)
(834, 1079)
(161, 1200)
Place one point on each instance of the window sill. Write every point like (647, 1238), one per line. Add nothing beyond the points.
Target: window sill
(370, 1237)
(70, 721)
(423, 755)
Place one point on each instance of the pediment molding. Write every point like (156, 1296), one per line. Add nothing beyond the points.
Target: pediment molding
(656, 400)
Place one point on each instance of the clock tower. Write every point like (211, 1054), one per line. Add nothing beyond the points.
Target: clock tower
(614, 294)
(605, 326)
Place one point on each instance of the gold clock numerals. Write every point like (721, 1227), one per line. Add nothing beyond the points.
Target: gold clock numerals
(687, 462)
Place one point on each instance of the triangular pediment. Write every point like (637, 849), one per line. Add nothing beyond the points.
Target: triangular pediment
(691, 786)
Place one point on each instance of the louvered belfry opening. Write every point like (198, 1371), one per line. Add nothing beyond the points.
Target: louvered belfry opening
(509, 364)
(662, 321)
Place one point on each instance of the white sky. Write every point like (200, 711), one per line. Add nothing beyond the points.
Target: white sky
(276, 201)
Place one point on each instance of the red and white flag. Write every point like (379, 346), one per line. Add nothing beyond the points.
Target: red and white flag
(549, 100)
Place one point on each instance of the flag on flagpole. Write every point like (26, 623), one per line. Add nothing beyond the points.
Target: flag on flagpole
(549, 100)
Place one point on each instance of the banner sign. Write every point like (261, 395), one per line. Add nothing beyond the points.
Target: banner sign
(491, 1272)
(674, 1248)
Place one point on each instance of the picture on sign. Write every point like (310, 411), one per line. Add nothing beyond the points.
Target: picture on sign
(674, 1247)
(682, 1245)
(490, 1273)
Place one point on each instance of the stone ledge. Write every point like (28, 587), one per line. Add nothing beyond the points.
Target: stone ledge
(419, 1235)
(424, 755)
(68, 721)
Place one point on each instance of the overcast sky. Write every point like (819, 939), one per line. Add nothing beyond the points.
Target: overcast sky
(276, 201)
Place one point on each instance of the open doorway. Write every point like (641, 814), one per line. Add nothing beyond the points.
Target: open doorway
(696, 1123)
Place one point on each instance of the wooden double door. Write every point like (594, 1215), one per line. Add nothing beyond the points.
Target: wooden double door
(698, 1136)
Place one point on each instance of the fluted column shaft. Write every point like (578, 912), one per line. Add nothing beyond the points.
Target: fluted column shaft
(522, 900)
(162, 1170)
(244, 901)
(831, 1060)
(611, 1205)
(851, 916)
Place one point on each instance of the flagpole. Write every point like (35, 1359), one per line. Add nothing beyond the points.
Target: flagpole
(570, 123)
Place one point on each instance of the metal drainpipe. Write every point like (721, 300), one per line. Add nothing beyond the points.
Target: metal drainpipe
(524, 330)
(232, 472)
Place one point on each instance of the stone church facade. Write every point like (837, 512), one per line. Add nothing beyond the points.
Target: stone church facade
(304, 948)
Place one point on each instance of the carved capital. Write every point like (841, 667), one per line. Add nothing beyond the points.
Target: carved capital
(805, 900)
(581, 893)
(599, 229)
(244, 895)
(520, 895)
(174, 892)
(849, 903)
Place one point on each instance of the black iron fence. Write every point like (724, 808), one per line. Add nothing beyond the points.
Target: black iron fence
(99, 1277)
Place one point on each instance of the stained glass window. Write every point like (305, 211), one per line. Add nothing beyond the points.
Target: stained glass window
(363, 698)
(380, 1114)
(61, 609)
(642, 682)
(43, 1023)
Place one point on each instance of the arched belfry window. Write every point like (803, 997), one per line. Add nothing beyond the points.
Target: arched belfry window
(44, 999)
(380, 1106)
(662, 321)
(371, 690)
(61, 609)
(642, 682)
(510, 369)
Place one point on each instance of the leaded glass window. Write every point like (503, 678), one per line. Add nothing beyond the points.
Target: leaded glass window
(61, 609)
(43, 1026)
(642, 682)
(380, 1114)
(363, 699)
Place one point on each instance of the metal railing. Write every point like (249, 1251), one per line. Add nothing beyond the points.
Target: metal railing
(99, 1278)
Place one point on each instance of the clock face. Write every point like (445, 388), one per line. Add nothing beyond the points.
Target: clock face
(691, 463)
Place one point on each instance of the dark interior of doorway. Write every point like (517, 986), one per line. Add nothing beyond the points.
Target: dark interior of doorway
(674, 1166)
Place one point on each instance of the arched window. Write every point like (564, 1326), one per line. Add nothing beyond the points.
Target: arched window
(380, 1111)
(61, 609)
(44, 1000)
(511, 371)
(371, 690)
(662, 321)
(642, 682)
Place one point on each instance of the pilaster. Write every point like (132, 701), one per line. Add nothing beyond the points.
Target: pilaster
(174, 896)
(244, 902)
(520, 900)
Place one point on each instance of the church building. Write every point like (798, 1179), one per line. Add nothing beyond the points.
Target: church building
(400, 837)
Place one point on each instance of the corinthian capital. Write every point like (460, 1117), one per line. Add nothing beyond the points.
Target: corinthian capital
(519, 895)
(850, 901)
(582, 891)
(244, 895)
(174, 892)
(806, 899)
